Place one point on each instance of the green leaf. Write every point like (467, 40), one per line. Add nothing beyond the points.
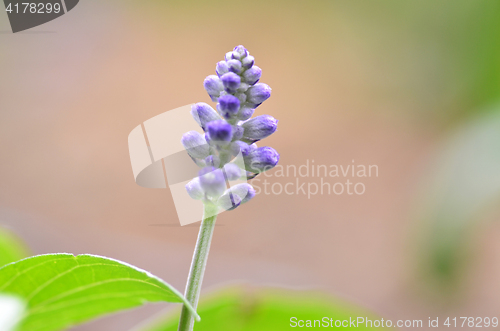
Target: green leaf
(62, 290)
(11, 248)
(248, 309)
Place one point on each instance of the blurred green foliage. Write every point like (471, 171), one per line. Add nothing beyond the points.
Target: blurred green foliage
(250, 309)
(11, 248)
(463, 187)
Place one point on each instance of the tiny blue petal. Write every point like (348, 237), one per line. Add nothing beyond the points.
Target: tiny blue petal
(228, 105)
(221, 68)
(237, 132)
(229, 200)
(258, 93)
(213, 85)
(245, 113)
(203, 113)
(234, 66)
(195, 144)
(248, 62)
(232, 171)
(212, 161)
(261, 159)
(220, 131)
(244, 190)
(231, 81)
(239, 146)
(194, 189)
(259, 128)
(212, 181)
(239, 52)
(252, 75)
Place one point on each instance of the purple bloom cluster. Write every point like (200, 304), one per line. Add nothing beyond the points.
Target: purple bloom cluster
(229, 131)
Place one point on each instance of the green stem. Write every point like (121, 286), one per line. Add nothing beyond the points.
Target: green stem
(200, 256)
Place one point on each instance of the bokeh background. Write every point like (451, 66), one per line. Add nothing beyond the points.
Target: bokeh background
(410, 86)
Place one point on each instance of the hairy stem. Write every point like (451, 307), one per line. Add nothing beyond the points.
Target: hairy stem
(198, 264)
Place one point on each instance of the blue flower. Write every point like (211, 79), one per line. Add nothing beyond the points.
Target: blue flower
(221, 68)
(232, 171)
(245, 113)
(195, 144)
(252, 75)
(212, 161)
(194, 189)
(212, 181)
(231, 82)
(220, 131)
(261, 159)
(237, 195)
(248, 62)
(234, 66)
(214, 86)
(258, 93)
(259, 128)
(203, 113)
(239, 146)
(244, 190)
(228, 105)
(239, 52)
(229, 131)
(229, 200)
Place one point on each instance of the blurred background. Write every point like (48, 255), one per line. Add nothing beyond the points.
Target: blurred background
(409, 86)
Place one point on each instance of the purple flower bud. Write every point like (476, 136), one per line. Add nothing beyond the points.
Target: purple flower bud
(228, 105)
(242, 97)
(239, 146)
(232, 171)
(245, 113)
(259, 128)
(243, 87)
(228, 56)
(245, 191)
(239, 52)
(237, 132)
(258, 93)
(220, 132)
(234, 66)
(252, 75)
(229, 200)
(212, 161)
(195, 144)
(231, 81)
(221, 68)
(194, 189)
(252, 147)
(207, 138)
(248, 62)
(214, 86)
(261, 159)
(203, 113)
(212, 181)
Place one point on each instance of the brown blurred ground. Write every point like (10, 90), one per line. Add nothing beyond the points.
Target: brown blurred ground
(343, 89)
